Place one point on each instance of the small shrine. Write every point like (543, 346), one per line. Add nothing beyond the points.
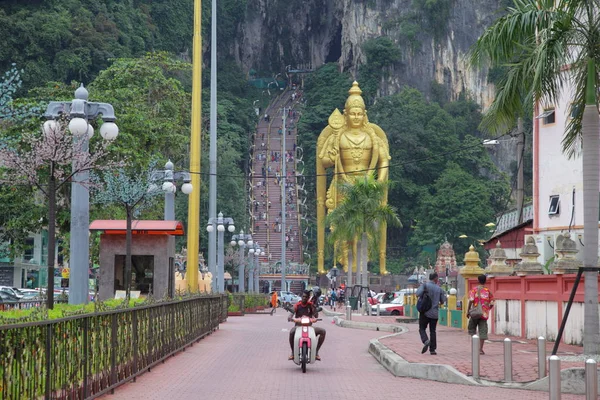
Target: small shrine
(529, 264)
(498, 266)
(445, 264)
(152, 254)
(566, 261)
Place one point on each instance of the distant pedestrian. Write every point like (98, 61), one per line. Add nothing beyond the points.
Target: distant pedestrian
(274, 300)
(479, 296)
(430, 317)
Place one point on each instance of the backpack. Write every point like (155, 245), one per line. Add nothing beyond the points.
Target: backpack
(424, 303)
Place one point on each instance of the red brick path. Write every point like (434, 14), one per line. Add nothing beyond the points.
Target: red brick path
(454, 348)
(247, 359)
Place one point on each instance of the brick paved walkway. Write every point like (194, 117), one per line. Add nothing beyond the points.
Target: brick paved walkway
(247, 359)
(454, 348)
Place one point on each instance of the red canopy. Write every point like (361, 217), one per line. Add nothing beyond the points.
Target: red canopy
(146, 227)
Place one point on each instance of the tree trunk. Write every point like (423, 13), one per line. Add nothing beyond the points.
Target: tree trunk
(364, 258)
(591, 186)
(128, 238)
(350, 265)
(51, 238)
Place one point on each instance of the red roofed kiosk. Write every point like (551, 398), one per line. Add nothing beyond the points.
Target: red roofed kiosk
(152, 253)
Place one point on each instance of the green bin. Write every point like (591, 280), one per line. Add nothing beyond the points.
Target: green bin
(353, 302)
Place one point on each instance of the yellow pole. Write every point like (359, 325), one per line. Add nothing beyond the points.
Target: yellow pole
(193, 237)
(470, 270)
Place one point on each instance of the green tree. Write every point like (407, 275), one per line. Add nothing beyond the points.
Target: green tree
(132, 189)
(536, 40)
(458, 204)
(359, 217)
(47, 162)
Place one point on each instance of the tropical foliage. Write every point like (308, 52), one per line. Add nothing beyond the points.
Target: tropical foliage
(536, 41)
(430, 145)
(359, 217)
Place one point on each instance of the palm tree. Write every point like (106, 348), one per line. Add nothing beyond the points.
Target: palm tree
(360, 214)
(552, 50)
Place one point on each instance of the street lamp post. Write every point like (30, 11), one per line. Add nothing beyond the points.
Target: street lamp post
(283, 217)
(242, 240)
(170, 188)
(254, 270)
(218, 283)
(251, 268)
(80, 112)
(257, 253)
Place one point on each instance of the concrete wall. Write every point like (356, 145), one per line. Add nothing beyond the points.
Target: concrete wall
(507, 317)
(556, 175)
(143, 245)
(533, 306)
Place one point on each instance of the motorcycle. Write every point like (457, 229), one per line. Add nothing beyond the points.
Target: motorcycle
(305, 341)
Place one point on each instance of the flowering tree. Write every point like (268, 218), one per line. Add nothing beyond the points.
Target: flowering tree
(132, 189)
(47, 161)
(10, 82)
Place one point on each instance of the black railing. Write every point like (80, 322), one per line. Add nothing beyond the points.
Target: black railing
(84, 356)
(27, 304)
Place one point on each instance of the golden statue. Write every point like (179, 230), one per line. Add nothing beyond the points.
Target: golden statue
(353, 147)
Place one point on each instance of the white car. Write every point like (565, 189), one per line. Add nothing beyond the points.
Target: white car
(287, 297)
(395, 307)
(13, 291)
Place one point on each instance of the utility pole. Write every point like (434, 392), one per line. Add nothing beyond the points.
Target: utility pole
(520, 161)
(212, 159)
(282, 183)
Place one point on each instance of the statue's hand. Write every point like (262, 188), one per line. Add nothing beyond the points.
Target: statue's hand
(332, 152)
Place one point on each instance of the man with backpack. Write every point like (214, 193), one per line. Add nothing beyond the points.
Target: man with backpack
(430, 296)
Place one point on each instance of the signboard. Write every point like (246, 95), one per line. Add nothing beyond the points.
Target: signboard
(6, 276)
(66, 273)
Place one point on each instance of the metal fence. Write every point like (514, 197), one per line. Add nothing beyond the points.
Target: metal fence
(84, 356)
(27, 304)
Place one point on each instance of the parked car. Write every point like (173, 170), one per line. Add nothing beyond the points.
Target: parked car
(11, 290)
(287, 297)
(7, 298)
(31, 294)
(395, 307)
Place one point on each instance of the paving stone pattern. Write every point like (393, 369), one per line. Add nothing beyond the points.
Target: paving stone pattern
(247, 359)
(454, 348)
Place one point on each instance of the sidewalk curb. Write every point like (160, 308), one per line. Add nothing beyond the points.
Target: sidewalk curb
(400, 367)
(572, 379)
(368, 325)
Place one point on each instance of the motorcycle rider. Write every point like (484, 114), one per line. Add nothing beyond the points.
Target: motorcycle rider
(308, 309)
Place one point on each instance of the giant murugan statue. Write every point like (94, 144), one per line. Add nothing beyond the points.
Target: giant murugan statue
(353, 147)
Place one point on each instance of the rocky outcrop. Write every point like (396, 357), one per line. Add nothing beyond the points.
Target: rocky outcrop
(280, 33)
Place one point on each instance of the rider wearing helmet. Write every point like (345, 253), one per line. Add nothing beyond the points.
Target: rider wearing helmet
(307, 308)
(316, 295)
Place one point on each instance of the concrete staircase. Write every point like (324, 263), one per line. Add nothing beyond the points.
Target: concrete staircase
(266, 175)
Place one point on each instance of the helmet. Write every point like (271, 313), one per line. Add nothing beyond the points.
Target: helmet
(316, 292)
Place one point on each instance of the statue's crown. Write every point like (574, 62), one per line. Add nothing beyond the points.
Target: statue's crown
(355, 99)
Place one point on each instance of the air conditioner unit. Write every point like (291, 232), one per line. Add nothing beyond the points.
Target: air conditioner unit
(578, 238)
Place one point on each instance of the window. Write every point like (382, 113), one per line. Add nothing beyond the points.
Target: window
(28, 254)
(554, 205)
(548, 116)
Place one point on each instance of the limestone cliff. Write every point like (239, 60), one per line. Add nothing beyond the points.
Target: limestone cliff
(278, 33)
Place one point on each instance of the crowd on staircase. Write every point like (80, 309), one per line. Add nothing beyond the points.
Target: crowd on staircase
(267, 178)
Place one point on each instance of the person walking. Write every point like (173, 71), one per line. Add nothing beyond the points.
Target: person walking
(430, 317)
(478, 316)
(274, 300)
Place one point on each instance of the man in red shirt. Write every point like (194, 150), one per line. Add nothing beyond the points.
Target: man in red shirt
(306, 308)
(480, 295)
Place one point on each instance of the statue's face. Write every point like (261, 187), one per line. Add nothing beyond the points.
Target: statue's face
(356, 116)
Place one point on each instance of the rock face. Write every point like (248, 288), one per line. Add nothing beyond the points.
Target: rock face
(280, 33)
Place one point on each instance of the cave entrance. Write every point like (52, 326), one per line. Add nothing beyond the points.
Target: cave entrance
(335, 46)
